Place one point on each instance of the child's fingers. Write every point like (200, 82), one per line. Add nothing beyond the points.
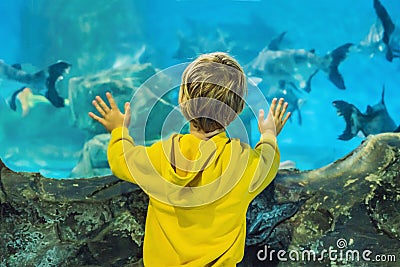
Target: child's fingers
(286, 118)
(283, 111)
(278, 107)
(102, 104)
(273, 106)
(260, 115)
(97, 118)
(127, 109)
(111, 101)
(99, 109)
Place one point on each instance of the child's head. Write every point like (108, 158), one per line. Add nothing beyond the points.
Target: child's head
(212, 91)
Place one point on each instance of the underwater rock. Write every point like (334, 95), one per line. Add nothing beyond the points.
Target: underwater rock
(93, 159)
(69, 222)
(351, 204)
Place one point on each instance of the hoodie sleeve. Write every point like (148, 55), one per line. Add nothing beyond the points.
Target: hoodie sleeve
(268, 155)
(126, 158)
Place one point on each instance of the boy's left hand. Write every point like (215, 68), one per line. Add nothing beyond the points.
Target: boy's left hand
(111, 117)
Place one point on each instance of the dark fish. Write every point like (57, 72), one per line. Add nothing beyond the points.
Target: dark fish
(391, 33)
(296, 66)
(375, 120)
(44, 79)
(13, 101)
(26, 99)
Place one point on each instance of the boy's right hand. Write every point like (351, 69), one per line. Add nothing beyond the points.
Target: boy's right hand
(276, 118)
(111, 117)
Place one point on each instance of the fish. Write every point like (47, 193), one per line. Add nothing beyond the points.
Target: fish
(375, 120)
(293, 95)
(203, 37)
(27, 100)
(296, 66)
(372, 44)
(388, 31)
(123, 60)
(45, 79)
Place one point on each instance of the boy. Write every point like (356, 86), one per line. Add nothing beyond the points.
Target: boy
(199, 184)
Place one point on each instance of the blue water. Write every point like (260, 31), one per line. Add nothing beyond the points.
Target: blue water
(46, 141)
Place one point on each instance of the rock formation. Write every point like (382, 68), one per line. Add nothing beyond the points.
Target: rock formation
(93, 158)
(349, 205)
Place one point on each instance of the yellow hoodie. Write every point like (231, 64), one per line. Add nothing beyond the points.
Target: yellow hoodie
(199, 193)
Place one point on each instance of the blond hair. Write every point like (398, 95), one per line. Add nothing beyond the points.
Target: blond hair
(212, 91)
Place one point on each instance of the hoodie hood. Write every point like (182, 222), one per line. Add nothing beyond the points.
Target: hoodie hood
(190, 157)
(200, 172)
